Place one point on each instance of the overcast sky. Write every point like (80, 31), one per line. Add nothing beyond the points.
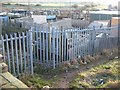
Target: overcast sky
(113, 2)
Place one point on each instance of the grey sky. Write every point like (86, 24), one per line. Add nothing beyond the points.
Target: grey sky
(101, 1)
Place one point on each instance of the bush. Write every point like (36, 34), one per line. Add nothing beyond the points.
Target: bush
(9, 29)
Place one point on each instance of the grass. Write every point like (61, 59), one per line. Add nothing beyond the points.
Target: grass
(35, 81)
(107, 72)
(112, 84)
(45, 76)
(42, 77)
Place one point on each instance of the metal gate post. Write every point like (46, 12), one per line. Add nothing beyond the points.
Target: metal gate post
(31, 51)
(93, 41)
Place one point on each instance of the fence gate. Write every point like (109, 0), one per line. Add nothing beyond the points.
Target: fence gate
(53, 46)
(45, 46)
(50, 46)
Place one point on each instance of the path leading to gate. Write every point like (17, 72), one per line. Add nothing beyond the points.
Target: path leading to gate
(66, 78)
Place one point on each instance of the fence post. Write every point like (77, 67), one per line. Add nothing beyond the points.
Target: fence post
(46, 44)
(62, 43)
(60, 49)
(8, 53)
(53, 47)
(43, 43)
(12, 52)
(16, 52)
(24, 51)
(65, 47)
(31, 53)
(57, 46)
(118, 41)
(93, 41)
(36, 40)
(20, 53)
(3, 49)
(40, 50)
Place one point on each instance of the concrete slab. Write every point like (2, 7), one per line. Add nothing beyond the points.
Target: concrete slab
(9, 81)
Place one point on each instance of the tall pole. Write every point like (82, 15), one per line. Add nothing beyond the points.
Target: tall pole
(70, 6)
(0, 31)
(0, 18)
(28, 8)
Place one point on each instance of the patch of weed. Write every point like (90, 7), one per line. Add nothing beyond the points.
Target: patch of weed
(99, 76)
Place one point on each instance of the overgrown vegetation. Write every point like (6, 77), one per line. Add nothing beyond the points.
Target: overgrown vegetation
(10, 29)
(35, 81)
(102, 76)
(43, 77)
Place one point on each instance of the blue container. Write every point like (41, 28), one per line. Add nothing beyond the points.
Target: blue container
(51, 17)
(5, 19)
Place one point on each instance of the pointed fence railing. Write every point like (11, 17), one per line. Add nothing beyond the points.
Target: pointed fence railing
(16, 49)
(50, 46)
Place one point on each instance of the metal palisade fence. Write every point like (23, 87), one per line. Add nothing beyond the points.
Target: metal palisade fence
(51, 46)
(16, 49)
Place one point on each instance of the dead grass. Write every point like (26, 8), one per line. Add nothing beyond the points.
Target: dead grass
(112, 84)
(107, 72)
(87, 79)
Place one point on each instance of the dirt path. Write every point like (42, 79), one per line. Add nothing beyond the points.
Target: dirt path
(67, 77)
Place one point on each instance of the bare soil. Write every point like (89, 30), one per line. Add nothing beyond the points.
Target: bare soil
(67, 77)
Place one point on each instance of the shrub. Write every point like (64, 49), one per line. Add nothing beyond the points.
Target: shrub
(90, 58)
(12, 29)
(74, 62)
